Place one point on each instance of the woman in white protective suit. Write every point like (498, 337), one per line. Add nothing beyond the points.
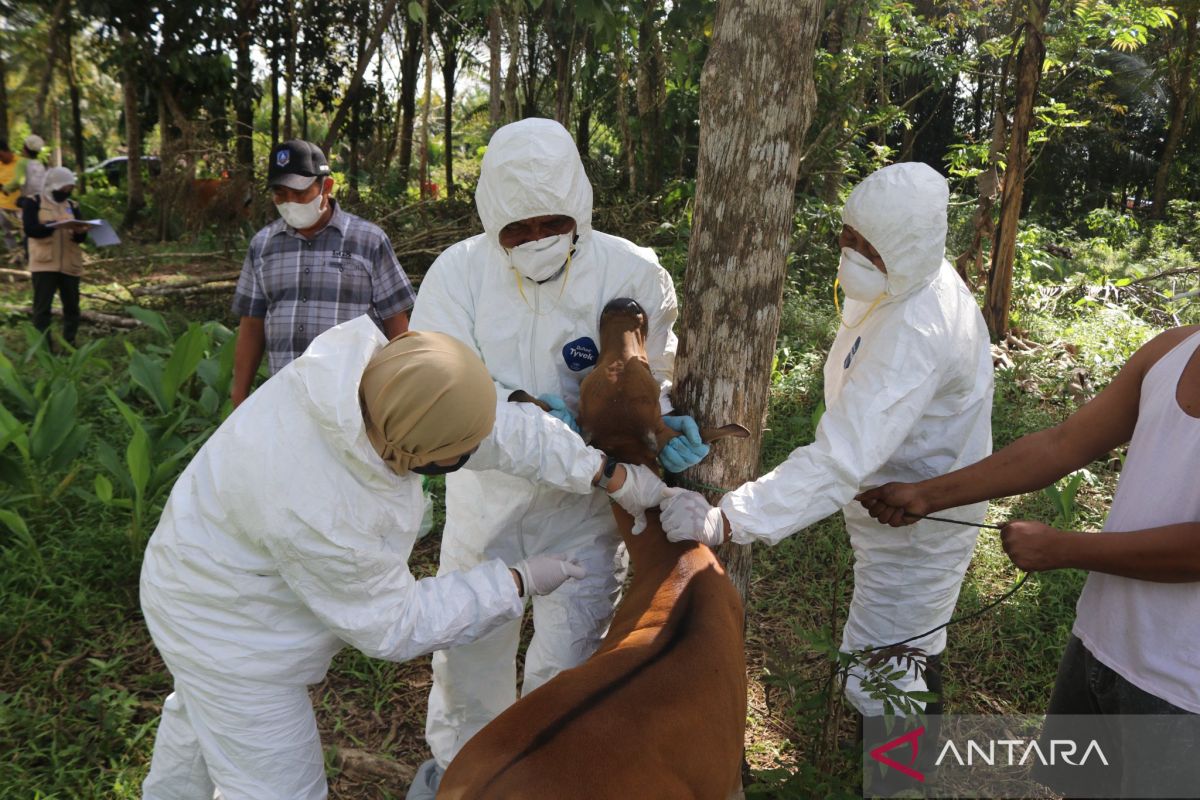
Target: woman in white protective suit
(908, 391)
(527, 295)
(288, 535)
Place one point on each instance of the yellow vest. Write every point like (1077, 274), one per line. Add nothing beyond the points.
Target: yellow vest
(8, 202)
(57, 252)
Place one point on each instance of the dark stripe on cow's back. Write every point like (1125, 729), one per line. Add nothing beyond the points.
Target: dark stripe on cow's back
(678, 631)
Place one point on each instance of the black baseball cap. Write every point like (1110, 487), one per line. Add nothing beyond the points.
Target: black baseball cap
(296, 164)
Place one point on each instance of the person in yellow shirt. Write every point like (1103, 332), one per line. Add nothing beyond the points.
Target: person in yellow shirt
(9, 210)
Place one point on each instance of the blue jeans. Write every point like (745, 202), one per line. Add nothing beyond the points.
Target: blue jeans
(1087, 686)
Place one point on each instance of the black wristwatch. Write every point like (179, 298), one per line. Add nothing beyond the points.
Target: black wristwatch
(610, 466)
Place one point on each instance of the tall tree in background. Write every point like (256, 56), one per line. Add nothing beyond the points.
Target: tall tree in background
(1004, 243)
(426, 101)
(245, 92)
(745, 201)
(76, 110)
(1181, 85)
(136, 198)
(365, 55)
(4, 103)
(651, 94)
(449, 33)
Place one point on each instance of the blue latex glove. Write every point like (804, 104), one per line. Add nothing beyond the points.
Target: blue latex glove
(559, 410)
(686, 450)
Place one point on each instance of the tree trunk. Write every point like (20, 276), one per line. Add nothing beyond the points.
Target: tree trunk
(136, 198)
(1182, 88)
(449, 71)
(76, 113)
(513, 25)
(408, 97)
(529, 106)
(623, 119)
(1004, 243)
(360, 69)
(52, 44)
(244, 101)
(651, 95)
(289, 78)
(4, 105)
(564, 58)
(745, 202)
(495, 87)
(274, 96)
(987, 183)
(426, 99)
(583, 128)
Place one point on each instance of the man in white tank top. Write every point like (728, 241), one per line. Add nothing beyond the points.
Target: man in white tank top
(1135, 645)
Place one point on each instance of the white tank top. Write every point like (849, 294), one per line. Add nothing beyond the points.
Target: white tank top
(1148, 632)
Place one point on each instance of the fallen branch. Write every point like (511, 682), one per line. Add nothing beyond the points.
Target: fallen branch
(154, 256)
(15, 274)
(1167, 274)
(176, 286)
(364, 766)
(95, 317)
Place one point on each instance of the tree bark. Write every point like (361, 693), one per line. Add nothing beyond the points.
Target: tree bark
(136, 198)
(52, 44)
(244, 101)
(290, 77)
(623, 119)
(745, 201)
(4, 142)
(274, 95)
(360, 69)
(564, 59)
(1182, 87)
(408, 97)
(651, 95)
(495, 86)
(583, 128)
(449, 72)
(1004, 243)
(513, 25)
(426, 98)
(76, 112)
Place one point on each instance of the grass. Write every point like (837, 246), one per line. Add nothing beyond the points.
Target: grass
(81, 685)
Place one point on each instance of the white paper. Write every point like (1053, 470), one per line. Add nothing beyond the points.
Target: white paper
(58, 223)
(103, 235)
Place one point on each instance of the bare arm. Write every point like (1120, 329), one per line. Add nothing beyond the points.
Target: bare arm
(1038, 459)
(251, 343)
(395, 325)
(1170, 554)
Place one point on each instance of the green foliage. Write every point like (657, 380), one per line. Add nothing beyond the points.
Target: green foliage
(1062, 496)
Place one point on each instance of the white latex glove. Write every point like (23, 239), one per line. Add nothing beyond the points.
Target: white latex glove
(642, 489)
(686, 515)
(543, 574)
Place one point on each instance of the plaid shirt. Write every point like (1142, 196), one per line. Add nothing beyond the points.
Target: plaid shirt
(304, 287)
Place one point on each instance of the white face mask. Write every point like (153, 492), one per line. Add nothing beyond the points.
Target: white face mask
(859, 278)
(539, 260)
(302, 215)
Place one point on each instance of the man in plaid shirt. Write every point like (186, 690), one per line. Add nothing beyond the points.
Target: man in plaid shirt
(314, 268)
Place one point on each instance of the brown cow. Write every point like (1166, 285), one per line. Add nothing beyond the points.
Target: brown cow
(660, 710)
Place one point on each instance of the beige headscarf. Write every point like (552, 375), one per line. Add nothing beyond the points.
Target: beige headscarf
(426, 397)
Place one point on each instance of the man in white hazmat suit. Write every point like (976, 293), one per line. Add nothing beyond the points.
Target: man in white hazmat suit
(287, 538)
(527, 294)
(908, 391)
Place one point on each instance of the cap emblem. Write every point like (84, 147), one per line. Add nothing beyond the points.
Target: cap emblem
(283, 157)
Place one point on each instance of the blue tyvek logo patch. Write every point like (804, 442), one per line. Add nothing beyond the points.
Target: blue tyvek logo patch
(853, 350)
(580, 354)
